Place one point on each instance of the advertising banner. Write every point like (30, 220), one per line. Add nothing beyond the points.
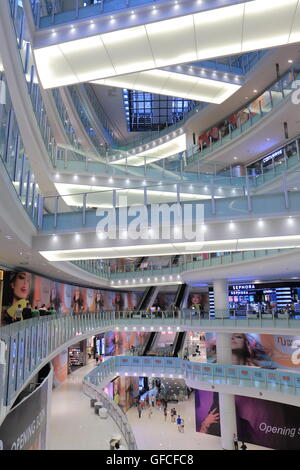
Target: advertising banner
(60, 368)
(261, 422)
(24, 428)
(23, 287)
(118, 343)
(272, 351)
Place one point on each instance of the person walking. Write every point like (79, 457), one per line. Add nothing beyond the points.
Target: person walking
(19, 313)
(150, 413)
(139, 408)
(165, 413)
(173, 415)
(235, 442)
(152, 399)
(181, 425)
(243, 446)
(178, 421)
(147, 400)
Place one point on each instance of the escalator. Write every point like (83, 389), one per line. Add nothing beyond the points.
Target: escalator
(147, 298)
(149, 344)
(179, 342)
(175, 260)
(180, 295)
(139, 262)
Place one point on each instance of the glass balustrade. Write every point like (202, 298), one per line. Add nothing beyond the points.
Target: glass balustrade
(29, 344)
(287, 382)
(90, 388)
(86, 206)
(185, 263)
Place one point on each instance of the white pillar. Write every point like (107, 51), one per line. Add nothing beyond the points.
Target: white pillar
(224, 349)
(227, 420)
(226, 400)
(221, 298)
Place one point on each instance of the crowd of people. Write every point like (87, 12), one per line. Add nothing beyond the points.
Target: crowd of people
(24, 313)
(153, 401)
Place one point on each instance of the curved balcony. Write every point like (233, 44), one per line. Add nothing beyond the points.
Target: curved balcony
(26, 346)
(127, 273)
(276, 385)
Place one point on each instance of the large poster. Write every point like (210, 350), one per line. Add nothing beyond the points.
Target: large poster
(119, 343)
(125, 390)
(60, 368)
(25, 427)
(275, 351)
(23, 287)
(262, 422)
(198, 301)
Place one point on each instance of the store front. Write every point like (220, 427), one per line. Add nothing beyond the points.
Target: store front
(265, 298)
(77, 354)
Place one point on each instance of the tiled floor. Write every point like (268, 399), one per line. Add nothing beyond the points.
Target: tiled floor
(157, 434)
(74, 425)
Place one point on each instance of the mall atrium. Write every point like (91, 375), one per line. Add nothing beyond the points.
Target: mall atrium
(149, 225)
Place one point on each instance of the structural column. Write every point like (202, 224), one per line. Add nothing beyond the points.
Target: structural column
(226, 400)
(221, 298)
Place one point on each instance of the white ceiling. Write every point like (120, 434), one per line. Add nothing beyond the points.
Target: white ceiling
(174, 84)
(240, 28)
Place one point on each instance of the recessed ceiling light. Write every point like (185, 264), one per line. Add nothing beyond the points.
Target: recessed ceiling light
(254, 91)
(290, 61)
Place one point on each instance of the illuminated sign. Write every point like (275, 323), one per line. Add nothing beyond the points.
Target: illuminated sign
(273, 155)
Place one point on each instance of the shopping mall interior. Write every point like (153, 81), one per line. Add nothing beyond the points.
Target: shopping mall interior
(150, 225)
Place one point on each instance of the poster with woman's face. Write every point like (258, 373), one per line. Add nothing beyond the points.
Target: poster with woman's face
(67, 298)
(17, 291)
(198, 301)
(277, 351)
(90, 299)
(17, 287)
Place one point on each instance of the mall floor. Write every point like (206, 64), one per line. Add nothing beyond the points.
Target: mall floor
(74, 425)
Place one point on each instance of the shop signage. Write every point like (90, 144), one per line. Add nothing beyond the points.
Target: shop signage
(273, 155)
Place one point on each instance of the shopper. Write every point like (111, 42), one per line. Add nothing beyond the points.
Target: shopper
(235, 442)
(19, 313)
(150, 413)
(243, 446)
(165, 413)
(139, 408)
(181, 427)
(35, 312)
(178, 421)
(147, 400)
(152, 399)
(26, 313)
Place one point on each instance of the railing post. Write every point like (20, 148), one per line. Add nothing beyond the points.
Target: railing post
(249, 201)
(285, 191)
(285, 157)
(84, 207)
(114, 197)
(40, 211)
(298, 150)
(262, 172)
(178, 193)
(213, 202)
(56, 210)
